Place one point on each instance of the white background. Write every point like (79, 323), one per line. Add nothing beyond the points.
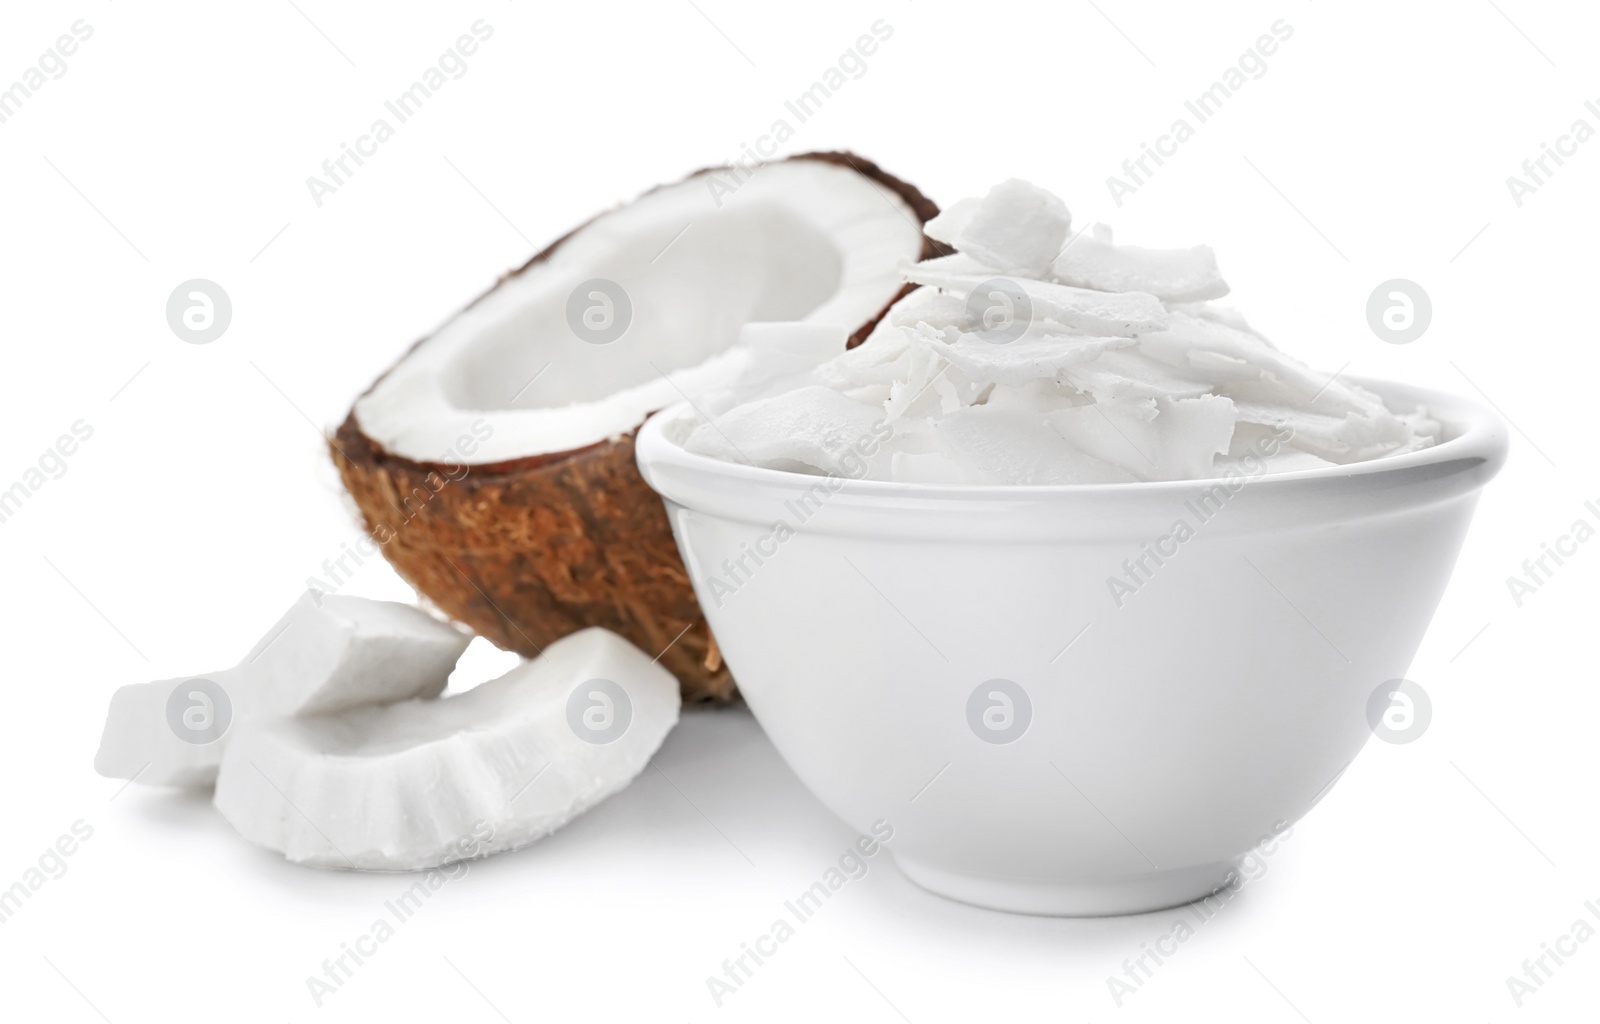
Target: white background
(177, 146)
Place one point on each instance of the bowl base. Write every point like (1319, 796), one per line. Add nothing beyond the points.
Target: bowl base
(1157, 890)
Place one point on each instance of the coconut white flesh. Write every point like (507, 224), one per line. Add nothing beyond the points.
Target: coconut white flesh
(140, 742)
(776, 352)
(801, 240)
(1172, 275)
(811, 426)
(1011, 446)
(1017, 228)
(1119, 374)
(328, 652)
(951, 221)
(396, 787)
(332, 651)
(1118, 313)
(1036, 354)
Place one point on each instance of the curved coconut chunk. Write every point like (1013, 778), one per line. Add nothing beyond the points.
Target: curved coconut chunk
(328, 652)
(1121, 313)
(398, 787)
(800, 240)
(1172, 275)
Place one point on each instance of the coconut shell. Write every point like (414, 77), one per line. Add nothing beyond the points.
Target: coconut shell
(527, 551)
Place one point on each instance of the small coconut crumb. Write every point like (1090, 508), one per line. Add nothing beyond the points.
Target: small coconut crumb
(1033, 357)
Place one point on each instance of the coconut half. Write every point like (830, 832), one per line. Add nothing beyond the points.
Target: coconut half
(494, 463)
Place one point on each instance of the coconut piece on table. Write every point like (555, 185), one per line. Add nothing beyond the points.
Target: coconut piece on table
(328, 652)
(145, 741)
(1173, 275)
(813, 426)
(333, 651)
(397, 787)
(1124, 314)
(1013, 446)
(1017, 227)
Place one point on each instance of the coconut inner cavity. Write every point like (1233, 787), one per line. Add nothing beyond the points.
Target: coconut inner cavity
(643, 306)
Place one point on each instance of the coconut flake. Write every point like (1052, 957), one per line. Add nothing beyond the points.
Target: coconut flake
(951, 222)
(327, 653)
(1034, 355)
(1125, 313)
(813, 426)
(1010, 446)
(1117, 368)
(1017, 227)
(399, 787)
(1173, 275)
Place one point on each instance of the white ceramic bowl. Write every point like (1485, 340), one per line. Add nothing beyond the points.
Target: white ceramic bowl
(952, 659)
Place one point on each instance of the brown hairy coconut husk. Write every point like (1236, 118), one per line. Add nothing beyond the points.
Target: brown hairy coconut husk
(525, 544)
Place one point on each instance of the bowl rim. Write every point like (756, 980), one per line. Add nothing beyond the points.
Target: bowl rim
(1479, 437)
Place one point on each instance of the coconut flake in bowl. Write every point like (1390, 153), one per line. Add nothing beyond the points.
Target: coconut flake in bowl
(1036, 355)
